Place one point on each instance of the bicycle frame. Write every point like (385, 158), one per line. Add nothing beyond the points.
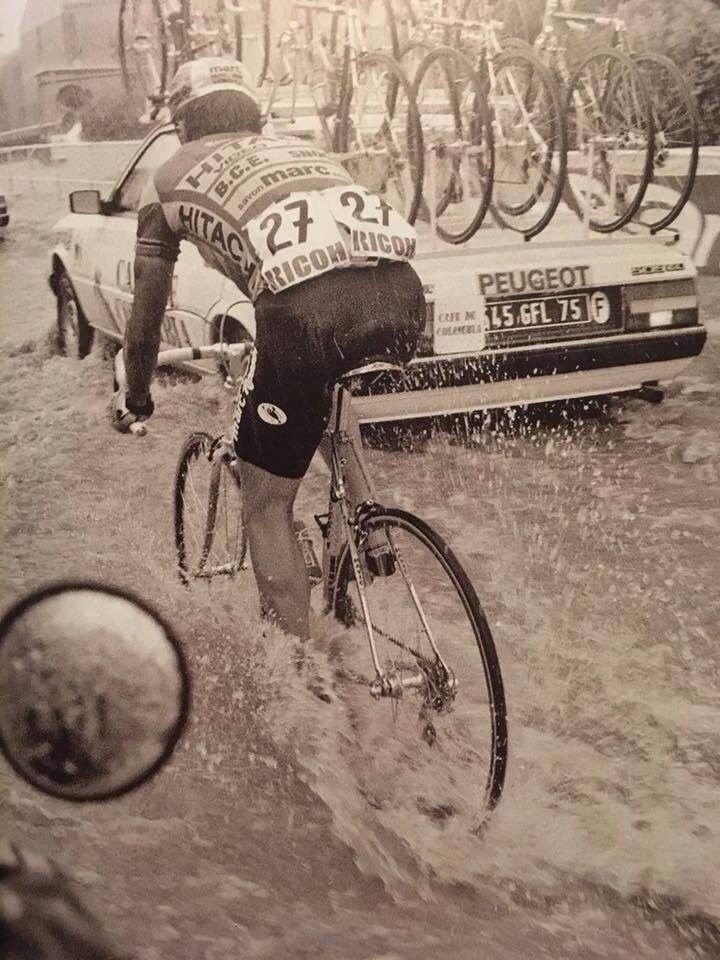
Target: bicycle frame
(351, 501)
(550, 43)
(303, 59)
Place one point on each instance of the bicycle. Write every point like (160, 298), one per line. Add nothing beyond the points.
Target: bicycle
(530, 138)
(511, 136)
(383, 570)
(458, 137)
(639, 90)
(156, 36)
(363, 100)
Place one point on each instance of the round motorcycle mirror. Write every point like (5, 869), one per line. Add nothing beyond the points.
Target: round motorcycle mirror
(94, 690)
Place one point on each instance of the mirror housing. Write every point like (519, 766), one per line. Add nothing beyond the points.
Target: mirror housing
(94, 690)
(86, 201)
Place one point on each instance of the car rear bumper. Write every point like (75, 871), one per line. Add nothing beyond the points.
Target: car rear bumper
(520, 376)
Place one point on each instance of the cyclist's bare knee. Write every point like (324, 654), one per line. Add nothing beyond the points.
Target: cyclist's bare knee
(264, 493)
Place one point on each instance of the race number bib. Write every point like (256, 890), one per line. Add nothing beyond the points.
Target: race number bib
(307, 234)
(295, 239)
(375, 228)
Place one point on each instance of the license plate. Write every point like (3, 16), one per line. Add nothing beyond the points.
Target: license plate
(551, 311)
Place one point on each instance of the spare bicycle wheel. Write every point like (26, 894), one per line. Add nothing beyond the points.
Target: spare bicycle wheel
(379, 131)
(210, 536)
(677, 138)
(448, 725)
(143, 50)
(458, 141)
(611, 138)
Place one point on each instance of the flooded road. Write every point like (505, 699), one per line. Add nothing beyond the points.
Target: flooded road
(594, 545)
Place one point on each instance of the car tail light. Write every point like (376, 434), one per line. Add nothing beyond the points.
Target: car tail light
(649, 306)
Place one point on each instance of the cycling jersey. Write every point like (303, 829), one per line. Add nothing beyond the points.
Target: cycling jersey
(285, 222)
(267, 212)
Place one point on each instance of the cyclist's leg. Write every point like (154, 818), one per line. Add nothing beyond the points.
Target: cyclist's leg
(282, 411)
(306, 337)
(275, 552)
(385, 323)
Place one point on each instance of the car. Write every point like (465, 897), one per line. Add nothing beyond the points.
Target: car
(4, 215)
(508, 323)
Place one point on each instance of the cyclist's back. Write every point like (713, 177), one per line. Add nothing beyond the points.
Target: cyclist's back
(215, 188)
(270, 212)
(324, 261)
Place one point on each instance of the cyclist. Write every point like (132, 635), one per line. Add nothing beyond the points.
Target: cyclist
(325, 263)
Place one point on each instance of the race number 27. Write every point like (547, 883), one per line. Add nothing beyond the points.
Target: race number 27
(279, 221)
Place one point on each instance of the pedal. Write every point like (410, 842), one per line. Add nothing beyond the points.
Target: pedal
(323, 522)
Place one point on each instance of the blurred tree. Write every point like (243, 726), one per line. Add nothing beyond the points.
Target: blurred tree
(689, 33)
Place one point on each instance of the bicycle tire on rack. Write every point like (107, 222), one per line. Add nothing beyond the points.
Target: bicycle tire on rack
(470, 124)
(199, 541)
(623, 77)
(349, 139)
(156, 16)
(412, 55)
(546, 187)
(453, 595)
(667, 91)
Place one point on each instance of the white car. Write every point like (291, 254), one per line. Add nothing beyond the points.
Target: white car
(508, 323)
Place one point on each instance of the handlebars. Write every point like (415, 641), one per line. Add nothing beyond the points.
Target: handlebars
(180, 355)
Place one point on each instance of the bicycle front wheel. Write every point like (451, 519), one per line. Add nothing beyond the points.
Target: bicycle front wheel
(677, 136)
(450, 726)
(611, 138)
(143, 49)
(458, 137)
(379, 131)
(530, 142)
(210, 535)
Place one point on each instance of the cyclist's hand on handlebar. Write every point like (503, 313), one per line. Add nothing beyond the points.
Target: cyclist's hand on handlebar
(127, 417)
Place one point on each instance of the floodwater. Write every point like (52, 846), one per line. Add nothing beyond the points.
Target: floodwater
(594, 545)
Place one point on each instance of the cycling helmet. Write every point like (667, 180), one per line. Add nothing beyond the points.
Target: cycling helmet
(199, 78)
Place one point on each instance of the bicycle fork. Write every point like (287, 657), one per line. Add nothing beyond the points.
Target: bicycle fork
(430, 676)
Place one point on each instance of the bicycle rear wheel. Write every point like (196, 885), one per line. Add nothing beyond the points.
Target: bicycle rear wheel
(454, 724)
(379, 125)
(677, 136)
(456, 127)
(530, 142)
(612, 136)
(210, 535)
(143, 49)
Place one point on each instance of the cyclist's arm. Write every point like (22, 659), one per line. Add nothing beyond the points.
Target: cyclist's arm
(156, 251)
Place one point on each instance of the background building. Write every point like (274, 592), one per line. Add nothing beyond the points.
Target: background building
(66, 63)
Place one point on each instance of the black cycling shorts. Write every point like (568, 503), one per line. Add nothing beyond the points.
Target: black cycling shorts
(306, 337)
